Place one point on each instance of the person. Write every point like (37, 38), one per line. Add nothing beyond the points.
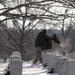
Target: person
(39, 42)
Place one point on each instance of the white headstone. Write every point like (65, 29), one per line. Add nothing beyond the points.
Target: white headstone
(16, 53)
(63, 70)
(56, 60)
(50, 59)
(15, 64)
(60, 64)
(15, 57)
(44, 57)
(16, 67)
(70, 67)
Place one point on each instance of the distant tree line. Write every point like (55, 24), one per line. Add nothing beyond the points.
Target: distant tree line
(6, 47)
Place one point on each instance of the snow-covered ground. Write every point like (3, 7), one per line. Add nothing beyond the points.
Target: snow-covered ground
(3, 66)
(27, 69)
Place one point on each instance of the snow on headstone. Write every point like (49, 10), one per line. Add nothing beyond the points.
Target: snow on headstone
(15, 65)
(15, 55)
(50, 59)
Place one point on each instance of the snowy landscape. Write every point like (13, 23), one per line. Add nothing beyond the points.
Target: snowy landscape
(62, 65)
(20, 23)
(27, 69)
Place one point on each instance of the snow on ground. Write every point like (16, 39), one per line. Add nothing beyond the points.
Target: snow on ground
(33, 69)
(27, 68)
(3, 66)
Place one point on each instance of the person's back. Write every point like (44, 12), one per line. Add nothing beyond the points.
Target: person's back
(40, 39)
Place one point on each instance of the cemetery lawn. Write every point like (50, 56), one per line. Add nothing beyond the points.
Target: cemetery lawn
(27, 68)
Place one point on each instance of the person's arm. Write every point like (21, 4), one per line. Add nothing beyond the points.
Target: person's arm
(48, 37)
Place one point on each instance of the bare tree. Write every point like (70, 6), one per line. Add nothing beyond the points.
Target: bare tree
(24, 15)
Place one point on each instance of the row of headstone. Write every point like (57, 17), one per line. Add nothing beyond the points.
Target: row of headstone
(51, 59)
(69, 66)
(71, 55)
(63, 65)
(15, 65)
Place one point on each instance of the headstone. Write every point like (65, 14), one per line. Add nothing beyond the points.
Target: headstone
(56, 60)
(70, 66)
(63, 69)
(44, 57)
(15, 57)
(16, 53)
(60, 63)
(15, 65)
(50, 60)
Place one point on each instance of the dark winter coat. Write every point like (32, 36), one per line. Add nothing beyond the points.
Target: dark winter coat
(41, 40)
(47, 45)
